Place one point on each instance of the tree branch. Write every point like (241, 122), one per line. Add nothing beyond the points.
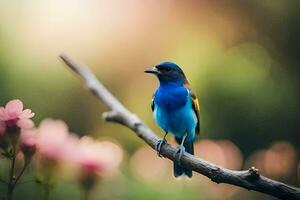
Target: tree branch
(249, 179)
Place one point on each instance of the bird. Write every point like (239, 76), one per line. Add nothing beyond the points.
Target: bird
(176, 110)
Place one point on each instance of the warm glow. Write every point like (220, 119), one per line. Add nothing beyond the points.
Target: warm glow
(223, 153)
(145, 163)
(279, 161)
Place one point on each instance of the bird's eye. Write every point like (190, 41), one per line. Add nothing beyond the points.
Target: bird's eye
(168, 69)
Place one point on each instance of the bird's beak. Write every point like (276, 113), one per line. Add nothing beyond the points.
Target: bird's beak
(152, 70)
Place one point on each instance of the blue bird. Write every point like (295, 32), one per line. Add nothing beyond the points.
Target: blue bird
(176, 110)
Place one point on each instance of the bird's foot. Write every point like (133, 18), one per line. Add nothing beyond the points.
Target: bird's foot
(159, 145)
(179, 153)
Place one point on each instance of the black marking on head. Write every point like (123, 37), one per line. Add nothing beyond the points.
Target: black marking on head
(166, 67)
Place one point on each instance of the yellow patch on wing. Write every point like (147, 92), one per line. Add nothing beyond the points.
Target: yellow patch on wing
(196, 108)
(195, 102)
(152, 103)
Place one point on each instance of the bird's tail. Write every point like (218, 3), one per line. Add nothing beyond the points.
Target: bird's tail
(178, 169)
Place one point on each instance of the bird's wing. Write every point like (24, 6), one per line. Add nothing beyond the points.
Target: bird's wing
(196, 108)
(195, 103)
(152, 103)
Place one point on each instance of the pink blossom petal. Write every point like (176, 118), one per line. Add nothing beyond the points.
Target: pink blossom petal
(14, 108)
(54, 140)
(54, 128)
(26, 114)
(28, 137)
(25, 123)
(2, 114)
(96, 157)
(91, 167)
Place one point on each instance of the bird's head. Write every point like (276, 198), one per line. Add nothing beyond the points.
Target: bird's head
(168, 72)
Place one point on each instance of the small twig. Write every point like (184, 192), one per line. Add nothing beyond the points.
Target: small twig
(11, 178)
(249, 179)
(21, 172)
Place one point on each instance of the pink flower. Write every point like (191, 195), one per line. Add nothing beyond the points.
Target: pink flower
(97, 158)
(28, 142)
(13, 115)
(54, 141)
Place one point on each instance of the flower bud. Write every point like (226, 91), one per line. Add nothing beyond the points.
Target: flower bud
(28, 143)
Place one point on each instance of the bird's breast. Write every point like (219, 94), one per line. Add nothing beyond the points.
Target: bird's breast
(177, 121)
(171, 99)
(173, 111)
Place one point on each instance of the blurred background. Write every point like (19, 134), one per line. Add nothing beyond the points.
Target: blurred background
(241, 57)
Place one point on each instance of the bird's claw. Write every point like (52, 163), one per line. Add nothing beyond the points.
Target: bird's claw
(159, 145)
(179, 153)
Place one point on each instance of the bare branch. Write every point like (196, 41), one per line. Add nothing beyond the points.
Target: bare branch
(249, 179)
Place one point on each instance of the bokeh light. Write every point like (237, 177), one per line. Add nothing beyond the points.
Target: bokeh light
(241, 58)
(279, 161)
(223, 153)
(144, 163)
